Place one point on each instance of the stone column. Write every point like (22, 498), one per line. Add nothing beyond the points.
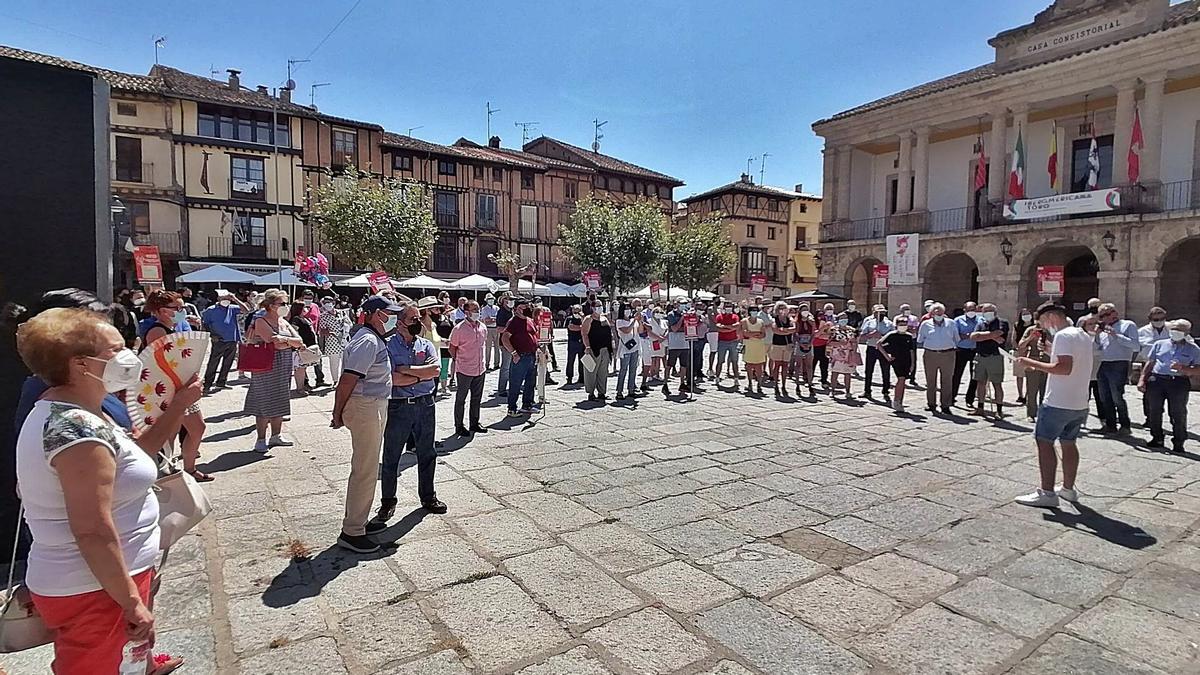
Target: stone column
(903, 198)
(843, 181)
(828, 181)
(996, 151)
(1123, 131)
(921, 171)
(1113, 287)
(1152, 113)
(1002, 290)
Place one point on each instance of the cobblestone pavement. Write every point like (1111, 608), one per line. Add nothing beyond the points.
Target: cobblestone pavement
(728, 535)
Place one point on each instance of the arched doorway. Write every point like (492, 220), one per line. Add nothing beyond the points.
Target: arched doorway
(1080, 282)
(858, 282)
(952, 279)
(1179, 282)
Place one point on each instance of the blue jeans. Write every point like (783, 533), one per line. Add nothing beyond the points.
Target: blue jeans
(404, 420)
(505, 371)
(628, 371)
(574, 354)
(520, 381)
(1110, 380)
(1058, 424)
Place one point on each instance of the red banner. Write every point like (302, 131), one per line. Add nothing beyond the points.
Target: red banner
(655, 291)
(1050, 280)
(591, 280)
(758, 283)
(380, 281)
(147, 264)
(879, 278)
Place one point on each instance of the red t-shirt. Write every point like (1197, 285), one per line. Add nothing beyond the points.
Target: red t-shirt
(818, 341)
(522, 334)
(727, 319)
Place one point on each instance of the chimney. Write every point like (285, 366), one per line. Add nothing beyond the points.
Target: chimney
(285, 95)
(747, 179)
(494, 142)
(799, 187)
(262, 89)
(234, 82)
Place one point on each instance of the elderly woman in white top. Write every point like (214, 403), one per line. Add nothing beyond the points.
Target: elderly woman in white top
(86, 488)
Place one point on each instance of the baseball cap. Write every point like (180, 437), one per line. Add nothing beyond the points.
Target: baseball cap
(378, 302)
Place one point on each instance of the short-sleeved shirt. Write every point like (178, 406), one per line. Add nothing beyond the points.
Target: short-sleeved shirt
(1165, 352)
(990, 347)
(503, 315)
(366, 356)
(420, 352)
(469, 338)
(522, 335)
(487, 314)
(56, 566)
(966, 325)
(727, 319)
(574, 336)
(676, 339)
(223, 322)
(1070, 391)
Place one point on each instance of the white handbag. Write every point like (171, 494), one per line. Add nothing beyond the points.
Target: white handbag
(182, 504)
(21, 627)
(309, 356)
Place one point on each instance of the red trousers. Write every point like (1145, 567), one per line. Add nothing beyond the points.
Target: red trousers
(89, 629)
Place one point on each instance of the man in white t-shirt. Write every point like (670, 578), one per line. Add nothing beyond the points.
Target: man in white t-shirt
(1064, 408)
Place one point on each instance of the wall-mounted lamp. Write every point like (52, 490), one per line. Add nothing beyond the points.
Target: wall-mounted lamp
(1110, 244)
(1006, 249)
(817, 262)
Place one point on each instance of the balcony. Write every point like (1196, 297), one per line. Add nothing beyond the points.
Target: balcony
(125, 172)
(168, 243)
(447, 221)
(1135, 199)
(225, 247)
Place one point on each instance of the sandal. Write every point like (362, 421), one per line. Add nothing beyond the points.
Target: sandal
(200, 476)
(165, 663)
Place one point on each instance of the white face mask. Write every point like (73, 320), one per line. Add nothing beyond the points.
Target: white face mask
(1158, 323)
(474, 316)
(902, 329)
(1027, 318)
(281, 310)
(308, 303)
(939, 318)
(989, 316)
(224, 303)
(1177, 335)
(971, 314)
(121, 372)
(139, 302)
(179, 317)
(327, 306)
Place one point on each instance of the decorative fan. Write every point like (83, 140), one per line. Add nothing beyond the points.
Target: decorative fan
(167, 363)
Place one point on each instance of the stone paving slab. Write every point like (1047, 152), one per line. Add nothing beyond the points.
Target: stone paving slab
(723, 536)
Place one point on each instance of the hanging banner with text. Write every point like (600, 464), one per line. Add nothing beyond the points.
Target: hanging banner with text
(879, 278)
(758, 283)
(1050, 280)
(1094, 201)
(902, 259)
(147, 264)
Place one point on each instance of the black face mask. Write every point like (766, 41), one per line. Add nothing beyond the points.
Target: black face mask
(415, 328)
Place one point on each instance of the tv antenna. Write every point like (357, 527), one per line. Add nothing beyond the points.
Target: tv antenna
(412, 129)
(160, 42)
(762, 168)
(749, 161)
(490, 111)
(290, 85)
(598, 134)
(525, 127)
(212, 71)
(312, 93)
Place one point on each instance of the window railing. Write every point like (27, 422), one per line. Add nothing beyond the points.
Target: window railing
(446, 219)
(225, 247)
(167, 242)
(142, 172)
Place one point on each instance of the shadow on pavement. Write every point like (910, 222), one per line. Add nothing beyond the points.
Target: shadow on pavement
(233, 460)
(226, 435)
(1109, 529)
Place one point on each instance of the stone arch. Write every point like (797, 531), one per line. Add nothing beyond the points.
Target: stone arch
(1081, 268)
(1179, 281)
(858, 280)
(951, 278)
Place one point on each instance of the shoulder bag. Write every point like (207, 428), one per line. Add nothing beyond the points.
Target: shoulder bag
(21, 627)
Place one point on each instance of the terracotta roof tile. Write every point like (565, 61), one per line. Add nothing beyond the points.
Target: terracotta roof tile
(199, 88)
(605, 162)
(749, 188)
(116, 80)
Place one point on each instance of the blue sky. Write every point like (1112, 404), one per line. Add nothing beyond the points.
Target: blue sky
(688, 88)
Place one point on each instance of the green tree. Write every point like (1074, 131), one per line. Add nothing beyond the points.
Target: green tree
(511, 266)
(701, 253)
(372, 224)
(621, 242)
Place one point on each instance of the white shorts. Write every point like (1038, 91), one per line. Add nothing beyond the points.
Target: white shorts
(712, 340)
(648, 352)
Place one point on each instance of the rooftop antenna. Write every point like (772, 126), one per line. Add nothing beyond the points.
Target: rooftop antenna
(160, 42)
(525, 127)
(762, 168)
(312, 93)
(412, 129)
(749, 161)
(290, 85)
(490, 112)
(212, 71)
(598, 134)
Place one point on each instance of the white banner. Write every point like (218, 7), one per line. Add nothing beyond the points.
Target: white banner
(902, 259)
(1095, 201)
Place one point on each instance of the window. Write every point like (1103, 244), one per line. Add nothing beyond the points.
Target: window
(601, 182)
(649, 190)
(571, 189)
(627, 186)
(714, 203)
(249, 231)
(803, 207)
(247, 177)
(754, 261)
(445, 254)
(497, 175)
(801, 238)
(129, 159)
(485, 212)
(478, 172)
(770, 233)
(402, 162)
(664, 192)
(529, 222)
(447, 168)
(526, 180)
(127, 109)
(139, 216)
(750, 231)
(772, 268)
(638, 188)
(445, 209)
(1079, 162)
(752, 201)
(528, 253)
(345, 147)
(773, 205)
(234, 124)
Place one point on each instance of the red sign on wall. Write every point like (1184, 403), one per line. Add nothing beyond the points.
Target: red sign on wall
(147, 264)
(879, 278)
(758, 283)
(1050, 280)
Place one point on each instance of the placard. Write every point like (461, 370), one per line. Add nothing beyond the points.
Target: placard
(1050, 280)
(879, 278)
(380, 281)
(691, 326)
(591, 280)
(758, 283)
(147, 264)
(545, 321)
(903, 258)
(655, 291)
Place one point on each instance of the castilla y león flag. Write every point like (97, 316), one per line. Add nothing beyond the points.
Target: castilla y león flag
(1136, 144)
(1052, 163)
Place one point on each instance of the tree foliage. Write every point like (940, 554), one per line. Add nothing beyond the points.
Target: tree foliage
(374, 224)
(510, 265)
(702, 253)
(621, 242)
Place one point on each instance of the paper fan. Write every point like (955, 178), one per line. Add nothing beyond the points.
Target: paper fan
(167, 363)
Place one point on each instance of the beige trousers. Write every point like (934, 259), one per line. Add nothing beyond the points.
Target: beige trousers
(365, 418)
(939, 377)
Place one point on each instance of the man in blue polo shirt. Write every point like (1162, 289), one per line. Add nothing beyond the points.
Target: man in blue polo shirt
(224, 326)
(1166, 379)
(415, 370)
(964, 353)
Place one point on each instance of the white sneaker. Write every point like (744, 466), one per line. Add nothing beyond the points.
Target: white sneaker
(1042, 498)
(261, 447)
(280, 441)
(1069, 494)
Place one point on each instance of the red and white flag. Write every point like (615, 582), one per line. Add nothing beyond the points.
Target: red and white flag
(1136, 144)
(1016, 178)
(981, 172)
(1052, 163)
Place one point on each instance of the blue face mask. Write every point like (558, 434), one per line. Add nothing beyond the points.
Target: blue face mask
(389, 324)
(180, 317)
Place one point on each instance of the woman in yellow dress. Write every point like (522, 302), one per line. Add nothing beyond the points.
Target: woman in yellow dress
(754, 348)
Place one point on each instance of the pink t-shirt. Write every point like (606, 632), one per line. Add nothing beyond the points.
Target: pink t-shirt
(468, 338)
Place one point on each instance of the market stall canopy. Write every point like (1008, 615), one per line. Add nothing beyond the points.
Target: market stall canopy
(474, 282)
(359, 281)
(560, 290)
(676, 292)
(814, 295)
(525, 286)
(420, 281)
(284, 277)
(217, 274)
(578, 290)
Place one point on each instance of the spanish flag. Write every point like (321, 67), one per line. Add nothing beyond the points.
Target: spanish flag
(1052, 163)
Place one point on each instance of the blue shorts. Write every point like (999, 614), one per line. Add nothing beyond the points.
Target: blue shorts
(1058, 424)
(727, 349)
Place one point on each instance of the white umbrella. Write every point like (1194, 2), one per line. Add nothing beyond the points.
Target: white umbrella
(286, 277)
(217, 274)
(360, 281)
(474, 282)
(559, 290)
(420, 281)
(525, 286)
(577, 290)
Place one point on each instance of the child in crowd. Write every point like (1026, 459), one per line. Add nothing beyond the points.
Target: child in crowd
(897, 347)
(843, 354)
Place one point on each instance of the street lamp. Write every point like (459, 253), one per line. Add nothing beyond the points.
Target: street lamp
(1110, 244)
(1006, 250)
(816, 259)
(667, 258)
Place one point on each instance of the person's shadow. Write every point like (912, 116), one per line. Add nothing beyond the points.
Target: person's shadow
(1109, 529)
